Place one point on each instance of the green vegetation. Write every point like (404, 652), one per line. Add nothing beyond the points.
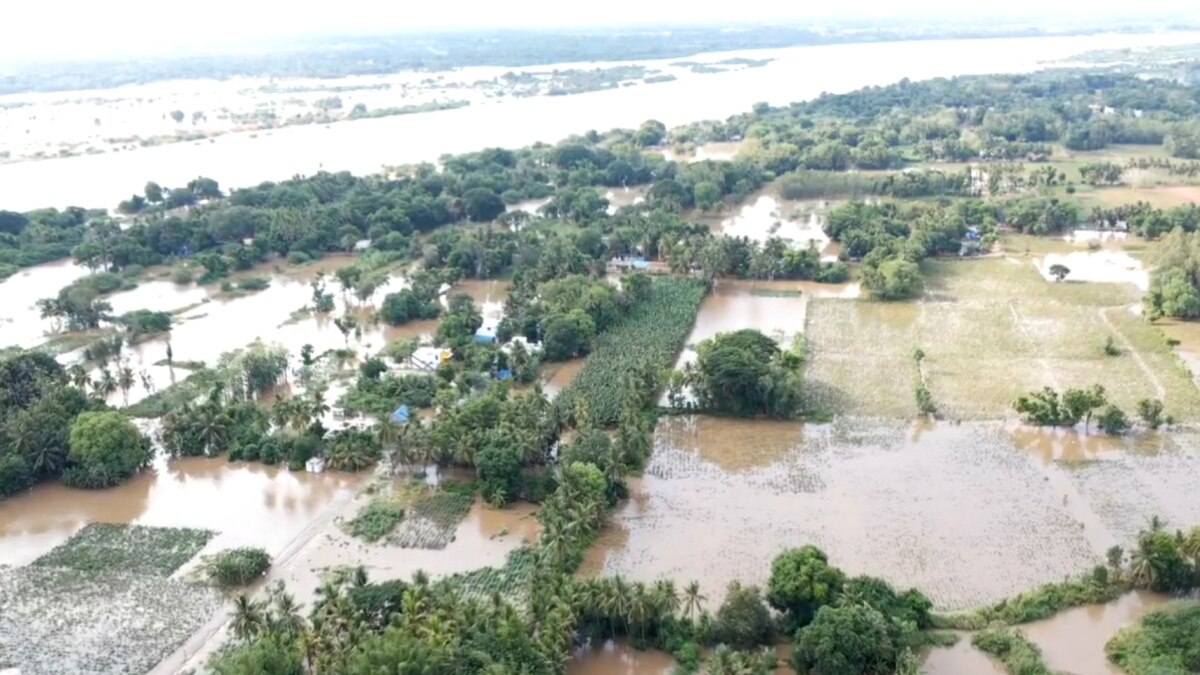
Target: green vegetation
(237, 566)
(648, 338)
(1174, 284)
(1161, 562)
(375, 520)
(1019, 655)
(1165, 642)
(130, 549)
(745, 373)
(1046, 408)
(105, 449)
(38, 409)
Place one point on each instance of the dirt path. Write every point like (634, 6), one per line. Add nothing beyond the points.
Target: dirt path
(195, 651)
(1159, 389)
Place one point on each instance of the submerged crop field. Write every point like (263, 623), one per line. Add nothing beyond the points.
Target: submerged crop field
(103, 602)
(959, 511)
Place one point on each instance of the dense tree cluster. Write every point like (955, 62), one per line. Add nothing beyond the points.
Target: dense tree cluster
(745, 373)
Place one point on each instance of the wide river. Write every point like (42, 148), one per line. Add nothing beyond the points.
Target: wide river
(365, 146)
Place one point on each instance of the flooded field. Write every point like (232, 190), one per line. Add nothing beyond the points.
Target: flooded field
(483, 538)
(1100, 266)
(209, 322)
(715, 508)
(558, 376)
(777, 308)
(991, 330)
(20, 321)
(246, 504)
(768, 215)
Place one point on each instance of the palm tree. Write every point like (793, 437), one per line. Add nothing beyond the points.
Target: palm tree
(79, 376)
(107, 383)
(281, 413)
(692, 598)
(667, 596)
(213, 428)
(317, 406)
(285, 613)
(126, 381)
(248, 619)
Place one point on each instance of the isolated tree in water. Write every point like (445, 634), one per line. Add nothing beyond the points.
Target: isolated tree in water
(1059, 272)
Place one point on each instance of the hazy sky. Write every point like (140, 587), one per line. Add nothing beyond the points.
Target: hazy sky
(73, 28)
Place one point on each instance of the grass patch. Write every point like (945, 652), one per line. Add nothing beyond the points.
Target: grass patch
(131, 549)
(1166, 642)
(237, 566)
(432, 519)
(1019, 655)
(648, 337)
(375, 521)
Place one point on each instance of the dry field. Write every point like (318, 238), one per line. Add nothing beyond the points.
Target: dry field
(991, 329)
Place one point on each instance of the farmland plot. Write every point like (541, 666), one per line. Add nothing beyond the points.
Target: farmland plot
(954, 510)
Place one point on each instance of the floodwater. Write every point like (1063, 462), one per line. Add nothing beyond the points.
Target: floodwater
(718, 151)
(777, 308)
(559, 376)
(765, 217)
(215, 323)
(241, 159)
(20, 322)
(969, 513)
(1073, 641)
(245, 503)
(961, 659)
(484, 538)
(624, 197)
(618, 658)
(1104, 265)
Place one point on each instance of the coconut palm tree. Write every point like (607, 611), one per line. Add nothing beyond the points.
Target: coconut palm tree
(125, 380)
(667, 596)
(78, 376)
(281, 412)
(692, 599)
(248, 618)
(212, 428)
(107, 384)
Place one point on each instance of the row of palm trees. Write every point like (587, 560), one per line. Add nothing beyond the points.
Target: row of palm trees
(106, 382)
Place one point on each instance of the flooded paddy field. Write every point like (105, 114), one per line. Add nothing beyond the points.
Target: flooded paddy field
(991, 330)
(244, 503)
(962, 512)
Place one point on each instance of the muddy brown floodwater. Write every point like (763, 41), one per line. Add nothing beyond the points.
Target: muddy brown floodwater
(215, 323)
(20, 321)
(961, 659)
(246, 504)
(967, 513)
(1073, 641)
(618, 658)
(484, 538)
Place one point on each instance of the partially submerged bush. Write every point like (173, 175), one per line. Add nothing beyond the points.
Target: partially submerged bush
(376, 520)
(237, 566)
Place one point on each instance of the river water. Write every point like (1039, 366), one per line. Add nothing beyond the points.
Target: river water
(238, 160)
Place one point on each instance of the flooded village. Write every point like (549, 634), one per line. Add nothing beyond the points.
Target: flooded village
(478, 410)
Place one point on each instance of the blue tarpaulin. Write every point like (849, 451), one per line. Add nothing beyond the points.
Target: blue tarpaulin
(401, 415)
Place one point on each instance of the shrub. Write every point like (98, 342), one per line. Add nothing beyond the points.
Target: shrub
(237, 566)
(1020, 656)
(1167, 641)
(182, 275)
